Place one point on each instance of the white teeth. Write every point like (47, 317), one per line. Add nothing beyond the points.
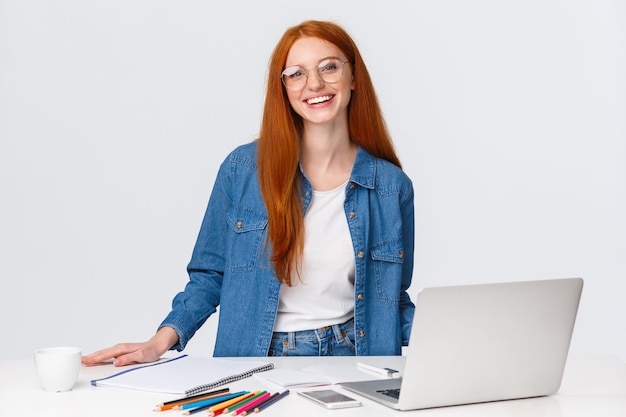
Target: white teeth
(317, 100)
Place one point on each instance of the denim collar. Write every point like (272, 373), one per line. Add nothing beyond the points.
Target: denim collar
(364, 169)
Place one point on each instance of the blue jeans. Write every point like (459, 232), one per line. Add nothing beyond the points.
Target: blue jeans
(335, 340)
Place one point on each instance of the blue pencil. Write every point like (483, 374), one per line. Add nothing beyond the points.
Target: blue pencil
(212, 401)
(271, 401)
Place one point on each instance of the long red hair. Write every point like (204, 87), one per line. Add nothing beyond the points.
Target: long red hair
(279, 144)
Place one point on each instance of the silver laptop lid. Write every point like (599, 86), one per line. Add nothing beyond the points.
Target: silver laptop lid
(489, 342)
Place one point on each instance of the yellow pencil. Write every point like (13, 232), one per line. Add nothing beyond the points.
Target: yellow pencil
(218, 408)
(233, 407)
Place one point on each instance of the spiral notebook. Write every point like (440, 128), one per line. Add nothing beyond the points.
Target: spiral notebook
(183, 375)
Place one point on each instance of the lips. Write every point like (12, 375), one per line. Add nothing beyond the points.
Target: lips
(318, 100)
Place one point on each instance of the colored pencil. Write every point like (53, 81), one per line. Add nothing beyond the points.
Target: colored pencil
(167, 405)
(271, 401)
(246, 408)
(218, 408)
(256, 394)
(211, 401)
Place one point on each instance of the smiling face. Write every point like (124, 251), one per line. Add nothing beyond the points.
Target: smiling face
(319, 101)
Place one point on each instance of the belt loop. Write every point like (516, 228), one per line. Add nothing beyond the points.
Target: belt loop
(291, 337)
(338, 334)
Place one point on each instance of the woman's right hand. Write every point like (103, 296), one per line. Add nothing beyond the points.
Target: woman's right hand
(130, 353)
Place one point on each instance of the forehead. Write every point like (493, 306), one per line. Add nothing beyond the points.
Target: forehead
(308, 51)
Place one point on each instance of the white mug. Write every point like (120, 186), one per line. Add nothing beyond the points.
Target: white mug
(58, 367)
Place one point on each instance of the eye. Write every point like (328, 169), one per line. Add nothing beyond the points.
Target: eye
(328, 66)
(294, 72)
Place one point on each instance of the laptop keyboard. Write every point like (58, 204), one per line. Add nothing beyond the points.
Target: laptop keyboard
(393, 393)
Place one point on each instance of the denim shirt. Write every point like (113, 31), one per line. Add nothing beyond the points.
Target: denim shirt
(230, 265)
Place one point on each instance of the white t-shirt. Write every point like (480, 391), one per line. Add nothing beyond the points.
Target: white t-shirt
(325, 293)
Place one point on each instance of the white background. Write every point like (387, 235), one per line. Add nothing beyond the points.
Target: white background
(510, 117)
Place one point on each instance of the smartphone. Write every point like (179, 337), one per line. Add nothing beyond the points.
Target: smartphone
(330, 398)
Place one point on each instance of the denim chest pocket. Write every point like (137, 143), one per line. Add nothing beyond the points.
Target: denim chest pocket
(388, 258)
(245, 240)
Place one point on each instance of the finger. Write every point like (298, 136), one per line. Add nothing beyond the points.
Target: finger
(95, 358)
(108, 353)
(136, 356)
(124, 360)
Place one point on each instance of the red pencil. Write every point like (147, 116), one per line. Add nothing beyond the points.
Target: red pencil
(218, 408)
(251, 406)
(274, 398)
(231, 408)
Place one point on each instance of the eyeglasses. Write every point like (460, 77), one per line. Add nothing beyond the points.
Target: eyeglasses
(330, 71)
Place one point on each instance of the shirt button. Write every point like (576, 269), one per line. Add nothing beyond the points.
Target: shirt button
(360, 254)
(351, 185)
(359, 297)
(352, 215)
(361, 333)
(401, 254)
(239, 225)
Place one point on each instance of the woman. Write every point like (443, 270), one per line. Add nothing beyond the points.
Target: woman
(307, 241)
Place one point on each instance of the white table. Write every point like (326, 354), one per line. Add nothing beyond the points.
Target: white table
(592, 386)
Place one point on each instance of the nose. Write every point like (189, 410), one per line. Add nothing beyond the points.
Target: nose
(314, 80)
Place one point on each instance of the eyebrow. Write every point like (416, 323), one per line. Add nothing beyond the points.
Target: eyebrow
(318, 62)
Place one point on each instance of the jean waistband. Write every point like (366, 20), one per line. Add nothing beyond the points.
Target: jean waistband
(338, 331)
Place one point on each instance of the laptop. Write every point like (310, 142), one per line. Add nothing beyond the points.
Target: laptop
(481, 343)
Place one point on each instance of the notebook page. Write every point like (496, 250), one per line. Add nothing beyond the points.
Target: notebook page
(183, 375)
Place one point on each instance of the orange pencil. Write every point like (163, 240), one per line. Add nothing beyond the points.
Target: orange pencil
(218, 408)
(254, 396)
(168, 405)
